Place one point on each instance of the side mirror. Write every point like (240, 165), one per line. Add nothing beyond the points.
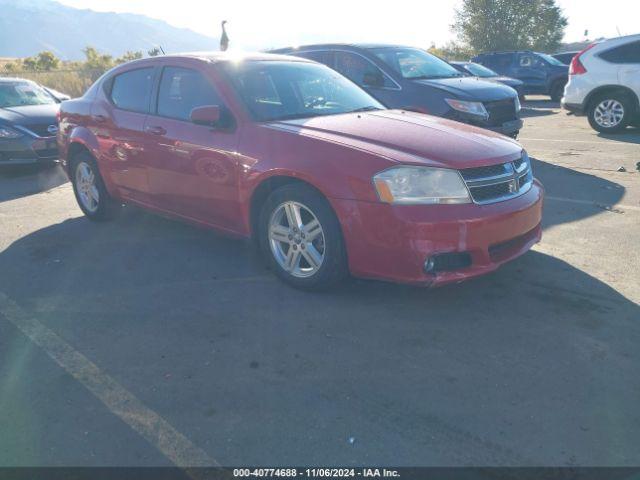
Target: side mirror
(373, 79)
(208, 115)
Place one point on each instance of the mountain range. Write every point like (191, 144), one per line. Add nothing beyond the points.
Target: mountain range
(31, 26)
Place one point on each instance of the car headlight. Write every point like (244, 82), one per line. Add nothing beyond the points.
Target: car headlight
(7, 133)
(518, 106)
(421, 185)
(473, 108)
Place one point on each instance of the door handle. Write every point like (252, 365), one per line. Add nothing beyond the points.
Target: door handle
(155, 130)
(99, 118)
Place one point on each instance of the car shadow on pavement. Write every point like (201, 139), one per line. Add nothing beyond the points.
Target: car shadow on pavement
(193, 323)
(629, 135)
(21, 181)
(538, 108)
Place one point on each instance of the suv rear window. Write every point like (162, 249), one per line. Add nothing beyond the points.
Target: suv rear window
(131, 90)
(497, 60)
(628, 53)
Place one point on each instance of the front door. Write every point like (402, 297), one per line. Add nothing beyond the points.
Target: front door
(192, 168)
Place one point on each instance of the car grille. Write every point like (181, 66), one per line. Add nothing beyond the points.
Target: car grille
(501, 111)
(40, 130)
(496, 183)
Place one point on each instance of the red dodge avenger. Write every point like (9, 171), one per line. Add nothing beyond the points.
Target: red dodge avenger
(319, 173)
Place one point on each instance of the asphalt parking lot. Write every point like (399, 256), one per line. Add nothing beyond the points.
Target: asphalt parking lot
(148, 342)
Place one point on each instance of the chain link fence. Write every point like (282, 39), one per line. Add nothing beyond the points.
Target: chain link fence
(72, 82)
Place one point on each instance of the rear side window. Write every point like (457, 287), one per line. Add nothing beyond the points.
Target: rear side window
(498, 61)
(132, 90)
(182, 90)
(321, 57)
(629, 53)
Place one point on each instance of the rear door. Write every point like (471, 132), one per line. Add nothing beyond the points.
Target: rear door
(192, 168)
(627, 58)
(117, 120)
(533, 71)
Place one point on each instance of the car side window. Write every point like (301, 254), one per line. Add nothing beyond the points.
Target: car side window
(526, 61)
(324, 57)
(361, 71)
(497, 62)
(628, 53)
(183, 89)
(531, 61)
(132, 90)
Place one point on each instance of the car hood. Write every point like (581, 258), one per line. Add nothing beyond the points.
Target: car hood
(511, 82)
(30, 114)
(469, 88)
(409, 137)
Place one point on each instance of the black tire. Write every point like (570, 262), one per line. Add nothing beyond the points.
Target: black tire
(557, 90)
(333, 268)
(107, 207)
(623, 99)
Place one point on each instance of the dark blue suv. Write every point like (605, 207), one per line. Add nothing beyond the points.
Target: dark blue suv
(541, 73)
(413, 79)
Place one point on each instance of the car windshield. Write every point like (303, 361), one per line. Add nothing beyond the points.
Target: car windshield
(413, 63)
(18, 94)
(551, 60)
(479, 70)
(275, 90)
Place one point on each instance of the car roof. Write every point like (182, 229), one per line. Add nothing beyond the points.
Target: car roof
(502, 52)
(364, 46)
(219, 57)
(215, 57)
(15, 80)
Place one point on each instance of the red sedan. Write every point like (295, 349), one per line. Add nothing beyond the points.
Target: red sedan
(291, 153)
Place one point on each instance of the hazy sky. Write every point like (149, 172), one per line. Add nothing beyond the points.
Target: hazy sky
(259, 24)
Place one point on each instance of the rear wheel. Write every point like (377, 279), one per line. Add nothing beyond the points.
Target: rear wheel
(301, 237)
(610, 112)
(557, 90)
(88, 187)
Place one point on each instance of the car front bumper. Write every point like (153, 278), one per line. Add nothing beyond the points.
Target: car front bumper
(28, 150)
(394, 242)
(510, 128)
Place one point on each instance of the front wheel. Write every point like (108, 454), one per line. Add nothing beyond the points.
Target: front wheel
(301, 237)
(609, 113)
(557, 90)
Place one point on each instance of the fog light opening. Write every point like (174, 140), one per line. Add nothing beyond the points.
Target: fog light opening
(430, 265)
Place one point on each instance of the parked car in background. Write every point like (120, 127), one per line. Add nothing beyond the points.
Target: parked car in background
(293, 154)
(604, 84)
(59, 96)
(28, 124)
(564, 57)
(413, 79)
(541, 73)
(480, 71)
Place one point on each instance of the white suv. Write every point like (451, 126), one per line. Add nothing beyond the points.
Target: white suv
(604, 84)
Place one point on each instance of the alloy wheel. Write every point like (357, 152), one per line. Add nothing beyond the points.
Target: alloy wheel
(296, 239)
(608, 113)
(86, 186)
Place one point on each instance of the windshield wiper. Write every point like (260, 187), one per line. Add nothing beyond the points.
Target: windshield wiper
(370, 108)
(293, 116)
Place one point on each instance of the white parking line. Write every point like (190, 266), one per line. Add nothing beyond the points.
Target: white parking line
(594, 204)
(610, 143)
(157, 431)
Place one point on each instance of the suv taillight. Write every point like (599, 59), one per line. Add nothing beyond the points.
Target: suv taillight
(576, 67)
